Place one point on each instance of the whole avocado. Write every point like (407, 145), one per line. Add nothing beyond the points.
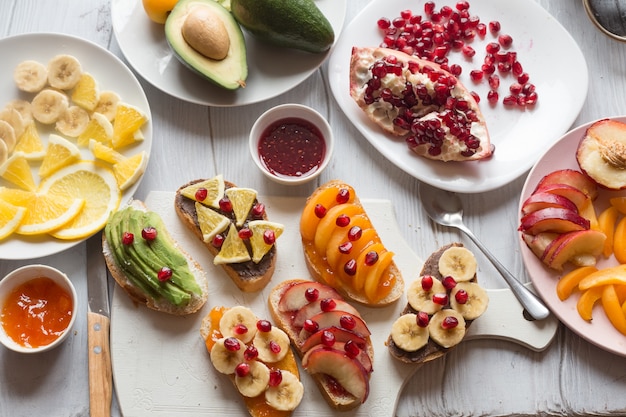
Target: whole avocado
(296, 24)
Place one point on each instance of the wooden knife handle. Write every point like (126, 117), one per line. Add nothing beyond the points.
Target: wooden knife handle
(100, 376)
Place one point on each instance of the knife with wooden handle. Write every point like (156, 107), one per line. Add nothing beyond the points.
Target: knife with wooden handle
(98, 321)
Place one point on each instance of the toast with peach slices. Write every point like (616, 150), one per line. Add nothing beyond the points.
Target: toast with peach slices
(257, 357)
(442, 304)
(343, 249)
(234, 227)
(329, 335)
(417, 99)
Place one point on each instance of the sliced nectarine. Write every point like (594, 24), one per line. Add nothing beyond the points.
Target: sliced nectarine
(613, 309)
(538, 243)
(606, 276)
(571, 177)
(568, 282)
(537, 201)
(553, 219)
(619, 241)
(606, 223)
(326, 198)
(571, 193)
(340, 334)
(601, 154)
(588, 211)
(320, 305)
(587, 301)
(568, 246)
(294, 298)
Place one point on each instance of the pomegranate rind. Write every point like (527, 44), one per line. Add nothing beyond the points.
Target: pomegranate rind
(383, 113)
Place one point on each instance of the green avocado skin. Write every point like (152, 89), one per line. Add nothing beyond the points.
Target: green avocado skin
(296, 24)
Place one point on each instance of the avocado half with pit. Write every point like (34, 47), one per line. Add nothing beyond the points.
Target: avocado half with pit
(206, 38)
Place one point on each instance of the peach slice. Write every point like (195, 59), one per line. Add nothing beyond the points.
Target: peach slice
(606, 224)
(569, 282)
(541, 200)
(606, 276)
(571, 193)
(587, 301)
(601, 154)
(327, 199)
(317, 307)
(362, 356)
(294, 297)
(569, 246)
(571, 177)
(339, 319)
(613, 308)
(553, 219)
(328, 224)
(340, 334)
(619, 241)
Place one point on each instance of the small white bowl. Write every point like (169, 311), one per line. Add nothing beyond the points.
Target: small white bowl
(25, 274)
(286, 112)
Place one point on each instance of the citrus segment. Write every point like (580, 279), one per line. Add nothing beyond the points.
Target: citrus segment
(91, 182)
(10, 218)
(264, 234)
(242, 200)
(45, 213)
(214, 188)
(233, 249)
(98, 128)
(128, 119)
(128, 171)
(85, 93)
(17, 171)
(104, 153)
(15, 196)
(211, 222)
(60, 153)
(30, 144)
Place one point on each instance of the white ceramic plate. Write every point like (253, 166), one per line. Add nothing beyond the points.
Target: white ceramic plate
(111, 74)
(600, 331)
(520, 137)
(271, 71)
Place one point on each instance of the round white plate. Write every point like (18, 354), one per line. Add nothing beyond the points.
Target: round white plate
(271, 71)
(110, 73)
(547, 52)
(600, 331)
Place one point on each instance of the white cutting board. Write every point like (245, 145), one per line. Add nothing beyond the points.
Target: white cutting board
(161, 366)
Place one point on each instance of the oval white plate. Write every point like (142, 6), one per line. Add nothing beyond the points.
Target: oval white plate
(520, 137)
(111, 74)
(271, 71)
(600, 331)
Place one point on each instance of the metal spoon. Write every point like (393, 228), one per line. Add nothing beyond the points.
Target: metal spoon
(609, 16)
(445, 208)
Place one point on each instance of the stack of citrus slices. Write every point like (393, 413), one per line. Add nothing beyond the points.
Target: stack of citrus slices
(65, 186)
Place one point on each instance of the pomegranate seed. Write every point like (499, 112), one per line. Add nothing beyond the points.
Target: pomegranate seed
(264, 326)
(245, 233)
(406, 14)
(350, 267)
(468, 51)
(492, 48)
(225, 205)
(320, 211)
(351, 348)
(258, 211)
(311, 294)
(440, 298)
(347, 322)
(523, 78)
(250, 353)
(328, 338)
(462, 5)
(345, 248)
(383, 23)
(515, 88)
(232, 344)
(371, 258)
(269, 237)
(201, 194)
(509, 100)
(310, 326)
(274, 347)
(521, 100)
(492, 96)
(217, 241)
(488, 69)
(343, 196)
(328, 304)
(476, 75)
(494, 81)
(482, 29)
(342, 220)
(528, 88)
(461, 296)
(242, 370)
(149, 233)
(422, 319)
(398, 22)
(456, 69)
(240, 329)
(531, 98)
(494, 26)
(427, 282)
(164, 274)
(355, 233)
(505, 40)
(276, 377)
(128, 238)
(476, 96)
(449, 322)
(429, 7)
(448, 282)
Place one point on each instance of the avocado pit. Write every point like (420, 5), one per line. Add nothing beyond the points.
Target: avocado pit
(205, 32)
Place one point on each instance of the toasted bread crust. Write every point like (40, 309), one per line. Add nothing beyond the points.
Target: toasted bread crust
(282, 320)
(138, 296)
(315, 268)
(247, 276)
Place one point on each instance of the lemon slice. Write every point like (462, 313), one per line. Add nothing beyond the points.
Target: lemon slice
(10, 218)
(211, 222)
(60, 153)
(92, 182)
(105, 153)
(258, 240)
(242, 200)
(15, 196)
(214, 187)
(98, 128)
(30, 144)
(85, 93)
(45, 213)
(233, 249)
(17, 171)
(128, 120)
(128, 171)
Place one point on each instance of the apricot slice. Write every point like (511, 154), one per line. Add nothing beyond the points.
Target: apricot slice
(606, 224)
(588, 211)
(340, 236)
(613, 308)
(619, 203)
(619, 241)
(606, 276)
(586, 302)
(570, 281)
(373, 278)
(328, 224)
(362, 268)
(326, 198)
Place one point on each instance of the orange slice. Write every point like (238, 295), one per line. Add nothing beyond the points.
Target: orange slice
(85, 93)
(17, 171)
(45, 213)
(10, 218)
(128, 120)
(99, 128)
(60, 153)
(30, 144)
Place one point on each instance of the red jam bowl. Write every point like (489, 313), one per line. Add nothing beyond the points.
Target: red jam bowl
(37, 308)
(291, 144)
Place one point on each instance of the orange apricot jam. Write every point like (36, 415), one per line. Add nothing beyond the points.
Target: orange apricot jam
(287, 363)
(36, 312)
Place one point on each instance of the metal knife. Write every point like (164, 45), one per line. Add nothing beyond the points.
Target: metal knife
(98, 322)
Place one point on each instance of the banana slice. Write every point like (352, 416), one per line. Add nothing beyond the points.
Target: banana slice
(287, 395)
(407, 334)
(30, 76)
(255, 382)
(107, 104)
(272, 345)
(64, 71)
(7, 136)
(14, 118)
(473, 303)
(444, 333)
(4, 152)
(48, 106)
(421, 299)
(73, 121)
(23, 107)
(239, 322)
(458, 262)
(226, 354)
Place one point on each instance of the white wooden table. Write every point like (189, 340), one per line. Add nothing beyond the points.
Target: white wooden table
(571, 377)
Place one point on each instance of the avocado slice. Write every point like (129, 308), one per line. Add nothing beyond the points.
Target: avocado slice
(206, 23)
(297, 24)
